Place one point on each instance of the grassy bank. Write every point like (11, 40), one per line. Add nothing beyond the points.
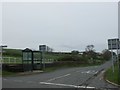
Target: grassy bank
(7, 73)
(112, 76)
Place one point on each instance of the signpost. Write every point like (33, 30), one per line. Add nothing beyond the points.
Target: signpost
(113, 44)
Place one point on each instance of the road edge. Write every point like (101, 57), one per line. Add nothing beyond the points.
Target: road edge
(109, 81)
(112, 83)
(24, 74)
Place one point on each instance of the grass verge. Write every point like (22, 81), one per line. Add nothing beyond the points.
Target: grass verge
(113, 76)
(7, 73)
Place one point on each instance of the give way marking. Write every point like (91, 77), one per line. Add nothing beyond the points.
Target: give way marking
(67, 85)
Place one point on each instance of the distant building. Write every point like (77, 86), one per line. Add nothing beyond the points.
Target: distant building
(45, 48)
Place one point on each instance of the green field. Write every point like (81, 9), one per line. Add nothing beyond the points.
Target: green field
(14, 56)
(113, 76)
(18, 60)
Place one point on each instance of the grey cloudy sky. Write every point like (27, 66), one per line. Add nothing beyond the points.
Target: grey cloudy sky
(64, 26)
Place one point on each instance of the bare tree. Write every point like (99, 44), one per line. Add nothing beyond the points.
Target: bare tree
(90, 52)
(106, 54)
(89, 48)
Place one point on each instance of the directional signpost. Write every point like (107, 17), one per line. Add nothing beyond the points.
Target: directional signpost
(114, 44)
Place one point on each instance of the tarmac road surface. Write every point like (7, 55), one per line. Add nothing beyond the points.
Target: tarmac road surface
(80, 77)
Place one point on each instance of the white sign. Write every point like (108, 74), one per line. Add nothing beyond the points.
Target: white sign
(113, 44)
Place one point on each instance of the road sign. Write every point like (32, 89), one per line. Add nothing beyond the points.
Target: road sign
(113, 44)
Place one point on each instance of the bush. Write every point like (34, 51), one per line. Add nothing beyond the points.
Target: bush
(73, 58)
(13, 52)
(69, 58)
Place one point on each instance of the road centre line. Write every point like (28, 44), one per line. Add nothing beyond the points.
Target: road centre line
(58, 84)
(58, 77)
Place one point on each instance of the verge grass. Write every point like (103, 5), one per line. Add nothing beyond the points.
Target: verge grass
(113, 76)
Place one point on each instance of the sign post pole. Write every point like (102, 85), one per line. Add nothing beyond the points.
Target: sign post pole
(114, 44)
(112, 57)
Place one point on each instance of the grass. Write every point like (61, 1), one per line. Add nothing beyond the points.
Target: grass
(7, 73)
(113, 76)
(14, 56)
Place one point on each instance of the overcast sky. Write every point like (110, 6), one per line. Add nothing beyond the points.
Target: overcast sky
(64, 26)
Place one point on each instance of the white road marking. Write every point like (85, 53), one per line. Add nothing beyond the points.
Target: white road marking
(58, 84)
(58, 77)
(90, 72)
(96, 72)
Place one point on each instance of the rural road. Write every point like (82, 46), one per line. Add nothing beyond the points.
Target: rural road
(80, 77)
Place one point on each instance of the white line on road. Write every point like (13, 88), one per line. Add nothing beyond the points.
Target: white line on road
(89, 72)
(58, 77)
(58, 84)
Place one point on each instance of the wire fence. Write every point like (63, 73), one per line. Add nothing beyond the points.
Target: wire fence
(13, 60)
